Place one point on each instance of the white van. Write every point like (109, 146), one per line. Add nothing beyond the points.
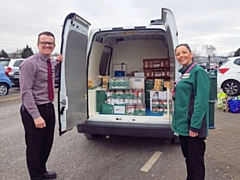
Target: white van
(88, 57)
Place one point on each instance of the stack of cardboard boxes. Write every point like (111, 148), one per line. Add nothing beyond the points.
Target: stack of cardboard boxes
(124, 95)
(138, 93)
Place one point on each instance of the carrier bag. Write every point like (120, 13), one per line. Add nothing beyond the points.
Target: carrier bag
(234, 105)
(220, 97)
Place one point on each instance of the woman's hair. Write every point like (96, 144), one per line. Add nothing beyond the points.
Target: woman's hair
(185, 45)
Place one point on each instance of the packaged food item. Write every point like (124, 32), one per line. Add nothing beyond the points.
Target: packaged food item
(93, 83)
(130, 110)
(140, 110)
(109, 93)
(105, 80)
(104, 86)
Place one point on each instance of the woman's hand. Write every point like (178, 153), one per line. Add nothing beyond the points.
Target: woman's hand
(192, 134)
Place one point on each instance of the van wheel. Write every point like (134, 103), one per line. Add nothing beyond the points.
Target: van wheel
(90, 136)
(175, 140)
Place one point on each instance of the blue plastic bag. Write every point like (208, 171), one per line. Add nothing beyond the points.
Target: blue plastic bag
(234, 105)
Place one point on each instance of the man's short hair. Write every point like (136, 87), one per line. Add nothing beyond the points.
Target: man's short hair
(47, 33)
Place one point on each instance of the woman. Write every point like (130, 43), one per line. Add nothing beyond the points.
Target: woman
(190, 119)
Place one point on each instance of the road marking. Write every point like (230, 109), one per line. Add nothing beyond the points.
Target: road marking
(147, 166)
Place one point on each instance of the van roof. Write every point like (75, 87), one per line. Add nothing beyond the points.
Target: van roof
(150, 32)
(129, 28)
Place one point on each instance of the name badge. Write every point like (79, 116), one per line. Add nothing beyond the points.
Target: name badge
(187, 75)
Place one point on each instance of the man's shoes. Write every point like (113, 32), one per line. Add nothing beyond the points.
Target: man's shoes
(50, 175)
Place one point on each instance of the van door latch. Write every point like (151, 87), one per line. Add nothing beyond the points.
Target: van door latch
(63, 102)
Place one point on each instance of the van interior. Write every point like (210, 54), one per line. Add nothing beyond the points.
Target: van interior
(121, 53)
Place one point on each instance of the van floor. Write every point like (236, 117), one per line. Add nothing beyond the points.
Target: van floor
(148, 113)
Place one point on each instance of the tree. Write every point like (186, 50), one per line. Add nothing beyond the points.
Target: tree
(26, 52)
(196, 53)
(3, 54)
(209, 51)
(237, 53)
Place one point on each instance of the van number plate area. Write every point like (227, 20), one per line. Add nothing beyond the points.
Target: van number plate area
(125, 120)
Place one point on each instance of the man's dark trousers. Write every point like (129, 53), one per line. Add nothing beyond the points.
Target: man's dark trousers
(193, 149)
(38, 141)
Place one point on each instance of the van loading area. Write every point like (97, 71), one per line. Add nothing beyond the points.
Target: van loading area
(130, 73)
(135, 94)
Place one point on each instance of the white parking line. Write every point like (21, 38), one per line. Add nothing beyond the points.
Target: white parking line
(147, 166)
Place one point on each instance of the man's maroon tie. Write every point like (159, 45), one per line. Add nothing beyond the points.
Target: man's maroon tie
(50, 81)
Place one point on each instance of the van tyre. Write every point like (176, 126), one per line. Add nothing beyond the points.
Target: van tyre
(4, 89)
(176, 140)
(90, 136)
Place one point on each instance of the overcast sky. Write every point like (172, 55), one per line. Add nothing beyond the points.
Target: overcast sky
(199, 22)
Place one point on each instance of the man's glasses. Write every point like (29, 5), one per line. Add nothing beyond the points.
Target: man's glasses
(47, 43)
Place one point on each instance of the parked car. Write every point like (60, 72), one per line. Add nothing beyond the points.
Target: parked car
(213, 66)
(228, 77)
(4, 61)
(15, 76)
(5, 83)
(12, 66)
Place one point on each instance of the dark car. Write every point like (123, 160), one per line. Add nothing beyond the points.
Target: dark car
(57, 74)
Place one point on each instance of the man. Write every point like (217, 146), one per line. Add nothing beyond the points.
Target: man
(37, 110)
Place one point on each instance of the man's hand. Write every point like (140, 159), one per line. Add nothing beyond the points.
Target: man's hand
(59, 58)
(40, 123)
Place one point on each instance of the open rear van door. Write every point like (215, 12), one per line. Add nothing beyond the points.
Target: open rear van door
(72, 101)
(172, 37)
(172, 41)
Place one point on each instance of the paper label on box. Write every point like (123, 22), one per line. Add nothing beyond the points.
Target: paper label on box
(162, 95)
(119, 109)
(137, 83)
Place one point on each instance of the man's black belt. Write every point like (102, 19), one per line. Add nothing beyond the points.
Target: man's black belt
(45, 105)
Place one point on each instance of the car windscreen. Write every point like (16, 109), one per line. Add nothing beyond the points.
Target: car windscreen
(17, 63)
(4, 62)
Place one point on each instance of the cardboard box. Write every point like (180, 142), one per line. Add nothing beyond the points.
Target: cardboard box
(139, 74)
(107, 109)
(158, 81)
(119, 109)
(105, 86)
(149, 84)
(167, 84)
(105, 79)
(93, 83)
(119, 83)
(137, 83)
(156, 97)
(158, 88)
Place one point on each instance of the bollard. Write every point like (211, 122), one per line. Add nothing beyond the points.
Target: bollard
(212, 97)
